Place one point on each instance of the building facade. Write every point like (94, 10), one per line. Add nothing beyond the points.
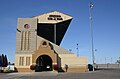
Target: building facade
(38, 43)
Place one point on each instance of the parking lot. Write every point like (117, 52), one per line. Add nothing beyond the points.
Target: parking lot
(99, 74)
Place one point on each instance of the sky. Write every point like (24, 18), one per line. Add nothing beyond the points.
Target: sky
(105, 23)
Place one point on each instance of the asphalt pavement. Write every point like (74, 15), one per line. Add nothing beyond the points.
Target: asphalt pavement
(99, 74)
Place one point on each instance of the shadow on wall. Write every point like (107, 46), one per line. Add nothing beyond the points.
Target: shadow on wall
(60, 69)
(59, 65)
(51, 46)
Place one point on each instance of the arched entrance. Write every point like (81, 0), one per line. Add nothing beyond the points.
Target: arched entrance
(43, 63)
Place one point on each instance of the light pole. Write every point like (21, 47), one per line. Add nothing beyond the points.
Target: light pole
(111, 60)
(91, 31)
(105, 60)
(77, 50)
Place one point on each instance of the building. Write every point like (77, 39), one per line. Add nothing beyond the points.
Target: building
(37, 43)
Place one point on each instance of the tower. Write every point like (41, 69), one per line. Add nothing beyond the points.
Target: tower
(38, 42)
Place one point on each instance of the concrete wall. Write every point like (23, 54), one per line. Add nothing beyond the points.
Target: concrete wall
(72, 60)
(75, 64)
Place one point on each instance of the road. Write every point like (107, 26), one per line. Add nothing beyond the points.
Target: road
(100, 74)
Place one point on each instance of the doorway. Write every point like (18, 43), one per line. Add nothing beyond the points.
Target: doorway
(43, 63)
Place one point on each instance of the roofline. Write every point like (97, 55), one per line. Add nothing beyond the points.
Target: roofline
(53, 11)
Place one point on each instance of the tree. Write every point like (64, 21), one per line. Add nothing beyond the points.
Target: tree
(0, 61)
(118, 61)
(5, 61)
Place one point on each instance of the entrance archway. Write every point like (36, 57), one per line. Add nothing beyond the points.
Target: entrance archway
(43, 63)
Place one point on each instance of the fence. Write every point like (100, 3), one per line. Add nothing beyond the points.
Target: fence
(107, 66)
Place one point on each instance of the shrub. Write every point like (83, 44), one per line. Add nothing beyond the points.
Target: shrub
(55, 66)
(32, 67)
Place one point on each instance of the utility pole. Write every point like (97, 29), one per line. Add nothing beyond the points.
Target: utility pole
(111, 60)
(91, 31)
(77, 50)
(105, 60)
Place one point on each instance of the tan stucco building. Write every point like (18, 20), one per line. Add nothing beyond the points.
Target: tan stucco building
(37, 43)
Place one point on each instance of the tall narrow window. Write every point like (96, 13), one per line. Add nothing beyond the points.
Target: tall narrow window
(25, 41)
(22, 40)
(27, 61)
(28, 40)
(21, 61)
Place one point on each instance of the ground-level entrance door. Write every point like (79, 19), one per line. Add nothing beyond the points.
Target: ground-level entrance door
(43, 63)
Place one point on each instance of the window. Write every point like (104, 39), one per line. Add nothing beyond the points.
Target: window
(26, 26)
(49, 18)
(21, 61)
(28, 47)
(25, 40)
(44, 43)
(55, 17)
(27, 61)
(59, 18)
(22, 40)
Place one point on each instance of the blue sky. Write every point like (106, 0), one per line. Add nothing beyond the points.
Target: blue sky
(106, 25)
